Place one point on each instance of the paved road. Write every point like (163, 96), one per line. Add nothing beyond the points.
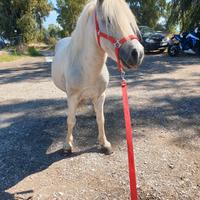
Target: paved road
(164, 97)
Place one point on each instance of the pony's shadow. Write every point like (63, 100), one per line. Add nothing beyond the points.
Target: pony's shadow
(31, 138)
(8, 196)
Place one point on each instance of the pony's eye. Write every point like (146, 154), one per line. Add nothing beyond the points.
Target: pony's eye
(109, 20)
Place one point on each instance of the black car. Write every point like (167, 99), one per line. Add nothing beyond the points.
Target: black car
(153, 40)
(2, 44)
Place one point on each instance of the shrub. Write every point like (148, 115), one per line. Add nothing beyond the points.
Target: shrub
(52, 41)
(33, 51)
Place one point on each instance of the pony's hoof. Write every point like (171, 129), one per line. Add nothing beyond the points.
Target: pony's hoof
(107, 150)
(67, 149)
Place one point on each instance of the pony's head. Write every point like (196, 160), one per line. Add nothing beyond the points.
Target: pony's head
(116, 19)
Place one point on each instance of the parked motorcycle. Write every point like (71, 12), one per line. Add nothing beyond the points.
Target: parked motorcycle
(187, 42)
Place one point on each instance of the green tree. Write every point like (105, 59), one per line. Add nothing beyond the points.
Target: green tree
(148, 12)
(69, 11)
(54, 31)
(184, 13)
(22, 17)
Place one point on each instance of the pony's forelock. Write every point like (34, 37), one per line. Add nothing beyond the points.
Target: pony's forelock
(118, 15)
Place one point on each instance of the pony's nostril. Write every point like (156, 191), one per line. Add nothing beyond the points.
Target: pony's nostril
(134, 53)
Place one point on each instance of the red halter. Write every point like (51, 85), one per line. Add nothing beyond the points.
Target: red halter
(116, 43)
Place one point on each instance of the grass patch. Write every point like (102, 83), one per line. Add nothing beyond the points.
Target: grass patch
(32, 51)
(15, 55)
(10, 57)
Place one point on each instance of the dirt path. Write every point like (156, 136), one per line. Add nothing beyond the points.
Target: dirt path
(165, 105)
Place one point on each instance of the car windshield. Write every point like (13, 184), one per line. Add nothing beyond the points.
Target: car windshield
(146, 31)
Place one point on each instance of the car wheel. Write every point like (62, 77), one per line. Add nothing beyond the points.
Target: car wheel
(146, 51)
(162, 51)
(173, 50)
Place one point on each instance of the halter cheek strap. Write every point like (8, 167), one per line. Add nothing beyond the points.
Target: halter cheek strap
(116, 43)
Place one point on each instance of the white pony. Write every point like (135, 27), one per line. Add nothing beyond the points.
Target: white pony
(79, 67)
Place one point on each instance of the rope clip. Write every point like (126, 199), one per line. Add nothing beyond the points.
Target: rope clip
(123, 75)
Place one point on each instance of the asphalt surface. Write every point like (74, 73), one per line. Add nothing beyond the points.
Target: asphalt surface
(164, 97)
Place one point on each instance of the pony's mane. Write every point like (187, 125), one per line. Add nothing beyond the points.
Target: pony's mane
(78, 33)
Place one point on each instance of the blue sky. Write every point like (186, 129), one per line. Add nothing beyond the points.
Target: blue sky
(51, 19)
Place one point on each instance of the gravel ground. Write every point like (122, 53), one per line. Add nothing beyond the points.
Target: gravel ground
(164, 98)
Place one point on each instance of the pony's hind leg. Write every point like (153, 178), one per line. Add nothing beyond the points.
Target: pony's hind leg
(98, 106)
(71, 121)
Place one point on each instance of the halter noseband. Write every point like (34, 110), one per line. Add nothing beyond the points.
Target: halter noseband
(116, 43)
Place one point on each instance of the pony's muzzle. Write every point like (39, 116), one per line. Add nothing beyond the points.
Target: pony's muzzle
(131, 54)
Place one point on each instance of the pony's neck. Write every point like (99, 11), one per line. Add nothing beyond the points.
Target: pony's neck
(88, 54)
(95, 54)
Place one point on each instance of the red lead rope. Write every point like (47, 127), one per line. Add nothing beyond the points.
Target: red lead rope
(117, 44)
(129, 138)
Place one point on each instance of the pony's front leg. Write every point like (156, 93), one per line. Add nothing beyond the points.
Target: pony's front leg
(71, 121)
(98, 106)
